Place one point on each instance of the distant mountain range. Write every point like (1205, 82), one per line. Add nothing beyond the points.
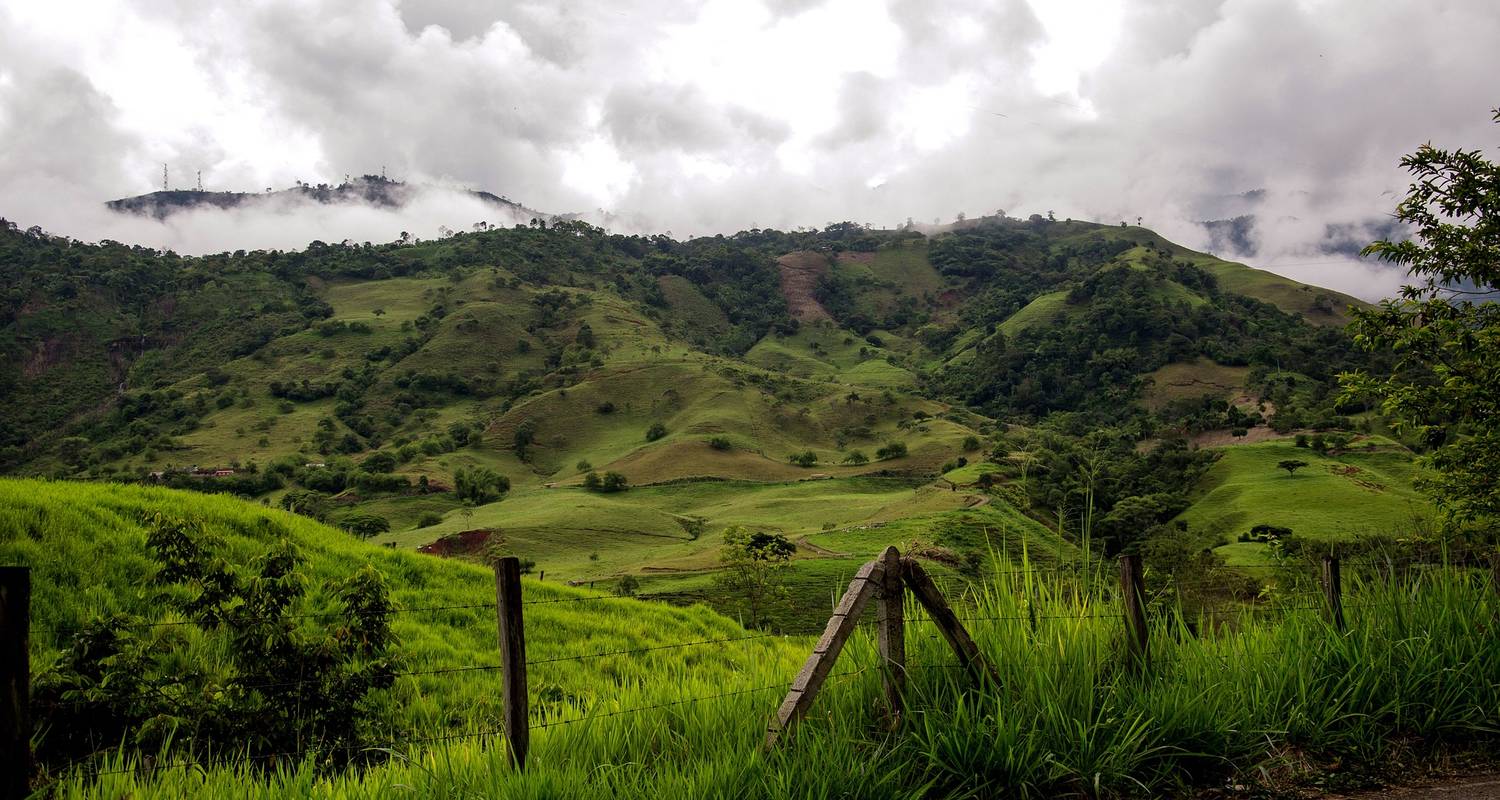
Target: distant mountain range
(371, 190)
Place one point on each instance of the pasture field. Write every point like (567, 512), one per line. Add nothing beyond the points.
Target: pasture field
(1363, 489)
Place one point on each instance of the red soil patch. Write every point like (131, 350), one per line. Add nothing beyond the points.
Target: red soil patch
(800, 272)
(463, 543)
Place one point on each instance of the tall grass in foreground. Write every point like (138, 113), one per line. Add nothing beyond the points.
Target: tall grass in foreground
(1419, 665)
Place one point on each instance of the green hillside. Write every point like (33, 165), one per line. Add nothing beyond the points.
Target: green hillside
(373, 387)
(86, 546)
(1362, 489)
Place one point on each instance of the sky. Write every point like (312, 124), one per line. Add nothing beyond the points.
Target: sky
(712, 116)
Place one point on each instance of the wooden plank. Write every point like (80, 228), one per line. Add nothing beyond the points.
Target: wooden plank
(15, 682)
(1333, 592)
(513, 658)
(815, 670)
(947, 623)
(1132, 597)
(891, 637)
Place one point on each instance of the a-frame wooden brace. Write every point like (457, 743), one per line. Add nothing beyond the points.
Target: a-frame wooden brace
(885, 580)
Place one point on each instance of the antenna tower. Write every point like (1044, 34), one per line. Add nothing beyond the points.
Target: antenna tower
(164, 177)
(200, 180)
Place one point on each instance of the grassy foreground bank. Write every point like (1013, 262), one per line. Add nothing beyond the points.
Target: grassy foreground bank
(1418, 669)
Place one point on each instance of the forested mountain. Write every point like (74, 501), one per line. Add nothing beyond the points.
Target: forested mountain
(401, 389)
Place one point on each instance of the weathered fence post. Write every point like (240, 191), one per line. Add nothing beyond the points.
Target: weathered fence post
(1133, 598)
(891, 637)
(513, 657)
(947, 623)
(15, 682)
(1333, 591)
(815, 670)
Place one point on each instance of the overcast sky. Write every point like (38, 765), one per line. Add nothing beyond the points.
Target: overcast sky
(705, 117)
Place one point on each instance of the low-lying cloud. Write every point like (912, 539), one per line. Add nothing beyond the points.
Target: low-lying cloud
(704, 117)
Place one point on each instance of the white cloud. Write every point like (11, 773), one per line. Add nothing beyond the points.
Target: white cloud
(709, 116)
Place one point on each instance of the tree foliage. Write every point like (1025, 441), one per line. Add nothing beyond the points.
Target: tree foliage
(1444, 387)
(280, 685)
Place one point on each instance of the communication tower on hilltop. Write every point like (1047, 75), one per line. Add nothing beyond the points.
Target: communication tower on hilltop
(200, 180)
(164, 177)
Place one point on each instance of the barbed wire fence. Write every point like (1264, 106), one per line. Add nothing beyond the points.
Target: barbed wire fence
(1202, 601)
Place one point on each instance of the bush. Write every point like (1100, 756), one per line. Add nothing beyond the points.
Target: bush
(720, 443)
(656, 431)
(806, 458)
(1301, 440)
(971, 443)
(891, 450)
(856, 458)
(429, 519)
(605, 407)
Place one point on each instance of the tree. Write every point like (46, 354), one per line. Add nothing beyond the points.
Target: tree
(479, 485)
(525, 436)
(628, 586)
(754, 573)
(856, 458)
(656, 431)
(806, 458)
(692, 526)
(720, 443)
(1291, 465)
(891, 450)
(365, 525)
(610, 482)
(1442, 387)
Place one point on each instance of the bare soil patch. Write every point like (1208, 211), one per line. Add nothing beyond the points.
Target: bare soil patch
(800, 272)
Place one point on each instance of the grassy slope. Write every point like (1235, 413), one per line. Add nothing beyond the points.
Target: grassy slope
(687, 721)
(1335, 496)
(1192, 379)
(86, 546)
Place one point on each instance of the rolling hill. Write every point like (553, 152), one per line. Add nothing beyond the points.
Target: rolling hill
(811, 384)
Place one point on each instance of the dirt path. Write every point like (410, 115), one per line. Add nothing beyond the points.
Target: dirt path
(800, 272)
(1475, 787)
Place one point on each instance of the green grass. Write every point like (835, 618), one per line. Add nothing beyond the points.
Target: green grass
(1041, 311)
(1068, 716)
(1334, 497)
(1193, 379)
(85, 544)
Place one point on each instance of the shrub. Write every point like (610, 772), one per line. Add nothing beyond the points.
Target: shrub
(806, 458)
(891, 450)
(656, 431)
(429, 519)
(1301, 440)
(720, 443)
(605, 407)
(971, 443)
(856, 458)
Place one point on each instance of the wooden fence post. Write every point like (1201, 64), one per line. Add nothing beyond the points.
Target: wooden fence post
(947, 623)
(1132, 596)
(15, 682)
(1333, 591)
(815, 670)
(513, 657)
(891, 636)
